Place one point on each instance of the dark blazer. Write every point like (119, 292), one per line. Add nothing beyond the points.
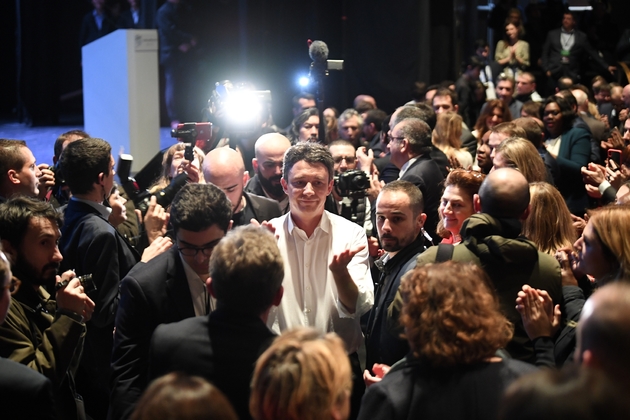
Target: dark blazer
(426, 175)
(382, 340)
(263, 208)
(89, 30)
(575, 151)
(24, 393)
(253, 187)
(90, 245)
(579, 53)
(222, 347)
(152, 293)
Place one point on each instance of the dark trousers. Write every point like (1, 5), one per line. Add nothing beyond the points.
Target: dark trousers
(358, 385)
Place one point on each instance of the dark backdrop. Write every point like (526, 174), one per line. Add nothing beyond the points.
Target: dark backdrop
(386, 45)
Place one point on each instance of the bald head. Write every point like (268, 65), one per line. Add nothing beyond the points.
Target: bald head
(581, 98)
(224, 168)
(271, 144)
(603, 336)
(504, 194)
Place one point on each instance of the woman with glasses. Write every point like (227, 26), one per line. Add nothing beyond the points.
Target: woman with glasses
(568, 150)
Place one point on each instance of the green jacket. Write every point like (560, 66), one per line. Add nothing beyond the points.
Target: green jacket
(50, 344)
(510, 261)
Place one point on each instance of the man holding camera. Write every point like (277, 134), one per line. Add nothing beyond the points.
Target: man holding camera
(351, 204)
(42, 333)
(91, 245)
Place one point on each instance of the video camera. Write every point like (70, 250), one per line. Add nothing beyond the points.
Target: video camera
(142, 199)
(352, 184)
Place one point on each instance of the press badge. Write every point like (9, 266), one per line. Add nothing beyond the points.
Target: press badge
(565, 56)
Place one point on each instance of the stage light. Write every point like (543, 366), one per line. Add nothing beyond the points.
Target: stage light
(304, 81)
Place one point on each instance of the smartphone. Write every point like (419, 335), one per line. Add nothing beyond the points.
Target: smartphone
(188, 152)
(615, 156)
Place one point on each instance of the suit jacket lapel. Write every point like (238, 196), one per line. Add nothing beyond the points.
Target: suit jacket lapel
(177, 286)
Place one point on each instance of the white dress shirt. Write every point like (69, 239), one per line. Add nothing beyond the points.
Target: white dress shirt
(203, 302)
(310, 292)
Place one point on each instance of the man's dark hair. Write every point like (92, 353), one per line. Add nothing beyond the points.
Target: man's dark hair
(418, 134)
(303, 95)
(533, 131)
(11, 155)
(564, 82)
(82, 161)
(480, 43)
(300, 119)
(16, 213)
(473, 62)
(419, 91)
(600, 87)
(58, 148)
(531, 109)
(422, 112)
(364, 106)
(196, 207)
(416, 200)
(311, 153)
(569, 97)
(446, 92)
(247, 270)
(376, 117)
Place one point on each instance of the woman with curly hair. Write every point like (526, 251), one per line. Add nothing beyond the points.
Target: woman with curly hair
(303, 375)
(454, 326)
(493, 113)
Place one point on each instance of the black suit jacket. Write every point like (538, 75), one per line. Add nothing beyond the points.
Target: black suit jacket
(24, 393)
(89, 30)
(152, 293)
(383, 342)
(222, 347)
(426, 175)
(579, 53)
(90, 245)
(259, 208)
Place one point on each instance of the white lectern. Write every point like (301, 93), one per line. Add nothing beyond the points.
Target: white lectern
(121, 92)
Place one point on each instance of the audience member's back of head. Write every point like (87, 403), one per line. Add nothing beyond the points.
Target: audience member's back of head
(519, 153)
(183, 397)
(603, 334)
(82, 161)
(246, 270)
(304, 375)
(504, 194)
(422, 112)
(573, 393)
(533, 131)
(451, 315)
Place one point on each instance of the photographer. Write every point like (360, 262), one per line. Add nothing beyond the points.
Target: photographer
(42, 333)
(355, 208)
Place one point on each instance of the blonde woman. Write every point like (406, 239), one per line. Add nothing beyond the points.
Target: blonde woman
(446, 137)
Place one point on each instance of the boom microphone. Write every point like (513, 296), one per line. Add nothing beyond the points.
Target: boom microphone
(318, 51)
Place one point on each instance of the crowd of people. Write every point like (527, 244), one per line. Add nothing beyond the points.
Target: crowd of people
(453, 259)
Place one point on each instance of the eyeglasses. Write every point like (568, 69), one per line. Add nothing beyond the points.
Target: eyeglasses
(192, 251)
(349, 159)
(396, 138)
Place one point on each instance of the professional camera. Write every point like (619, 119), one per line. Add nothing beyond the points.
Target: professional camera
(142, 199)
(352, 184)
(60, 190)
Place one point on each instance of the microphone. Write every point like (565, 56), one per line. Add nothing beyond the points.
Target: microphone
(318, 51)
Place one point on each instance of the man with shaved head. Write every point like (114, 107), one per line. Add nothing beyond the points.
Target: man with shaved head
(267, 163)
(603, 336)
(492, 239)
(224, 167)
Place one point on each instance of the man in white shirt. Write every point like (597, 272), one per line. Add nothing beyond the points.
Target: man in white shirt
(327, 284)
